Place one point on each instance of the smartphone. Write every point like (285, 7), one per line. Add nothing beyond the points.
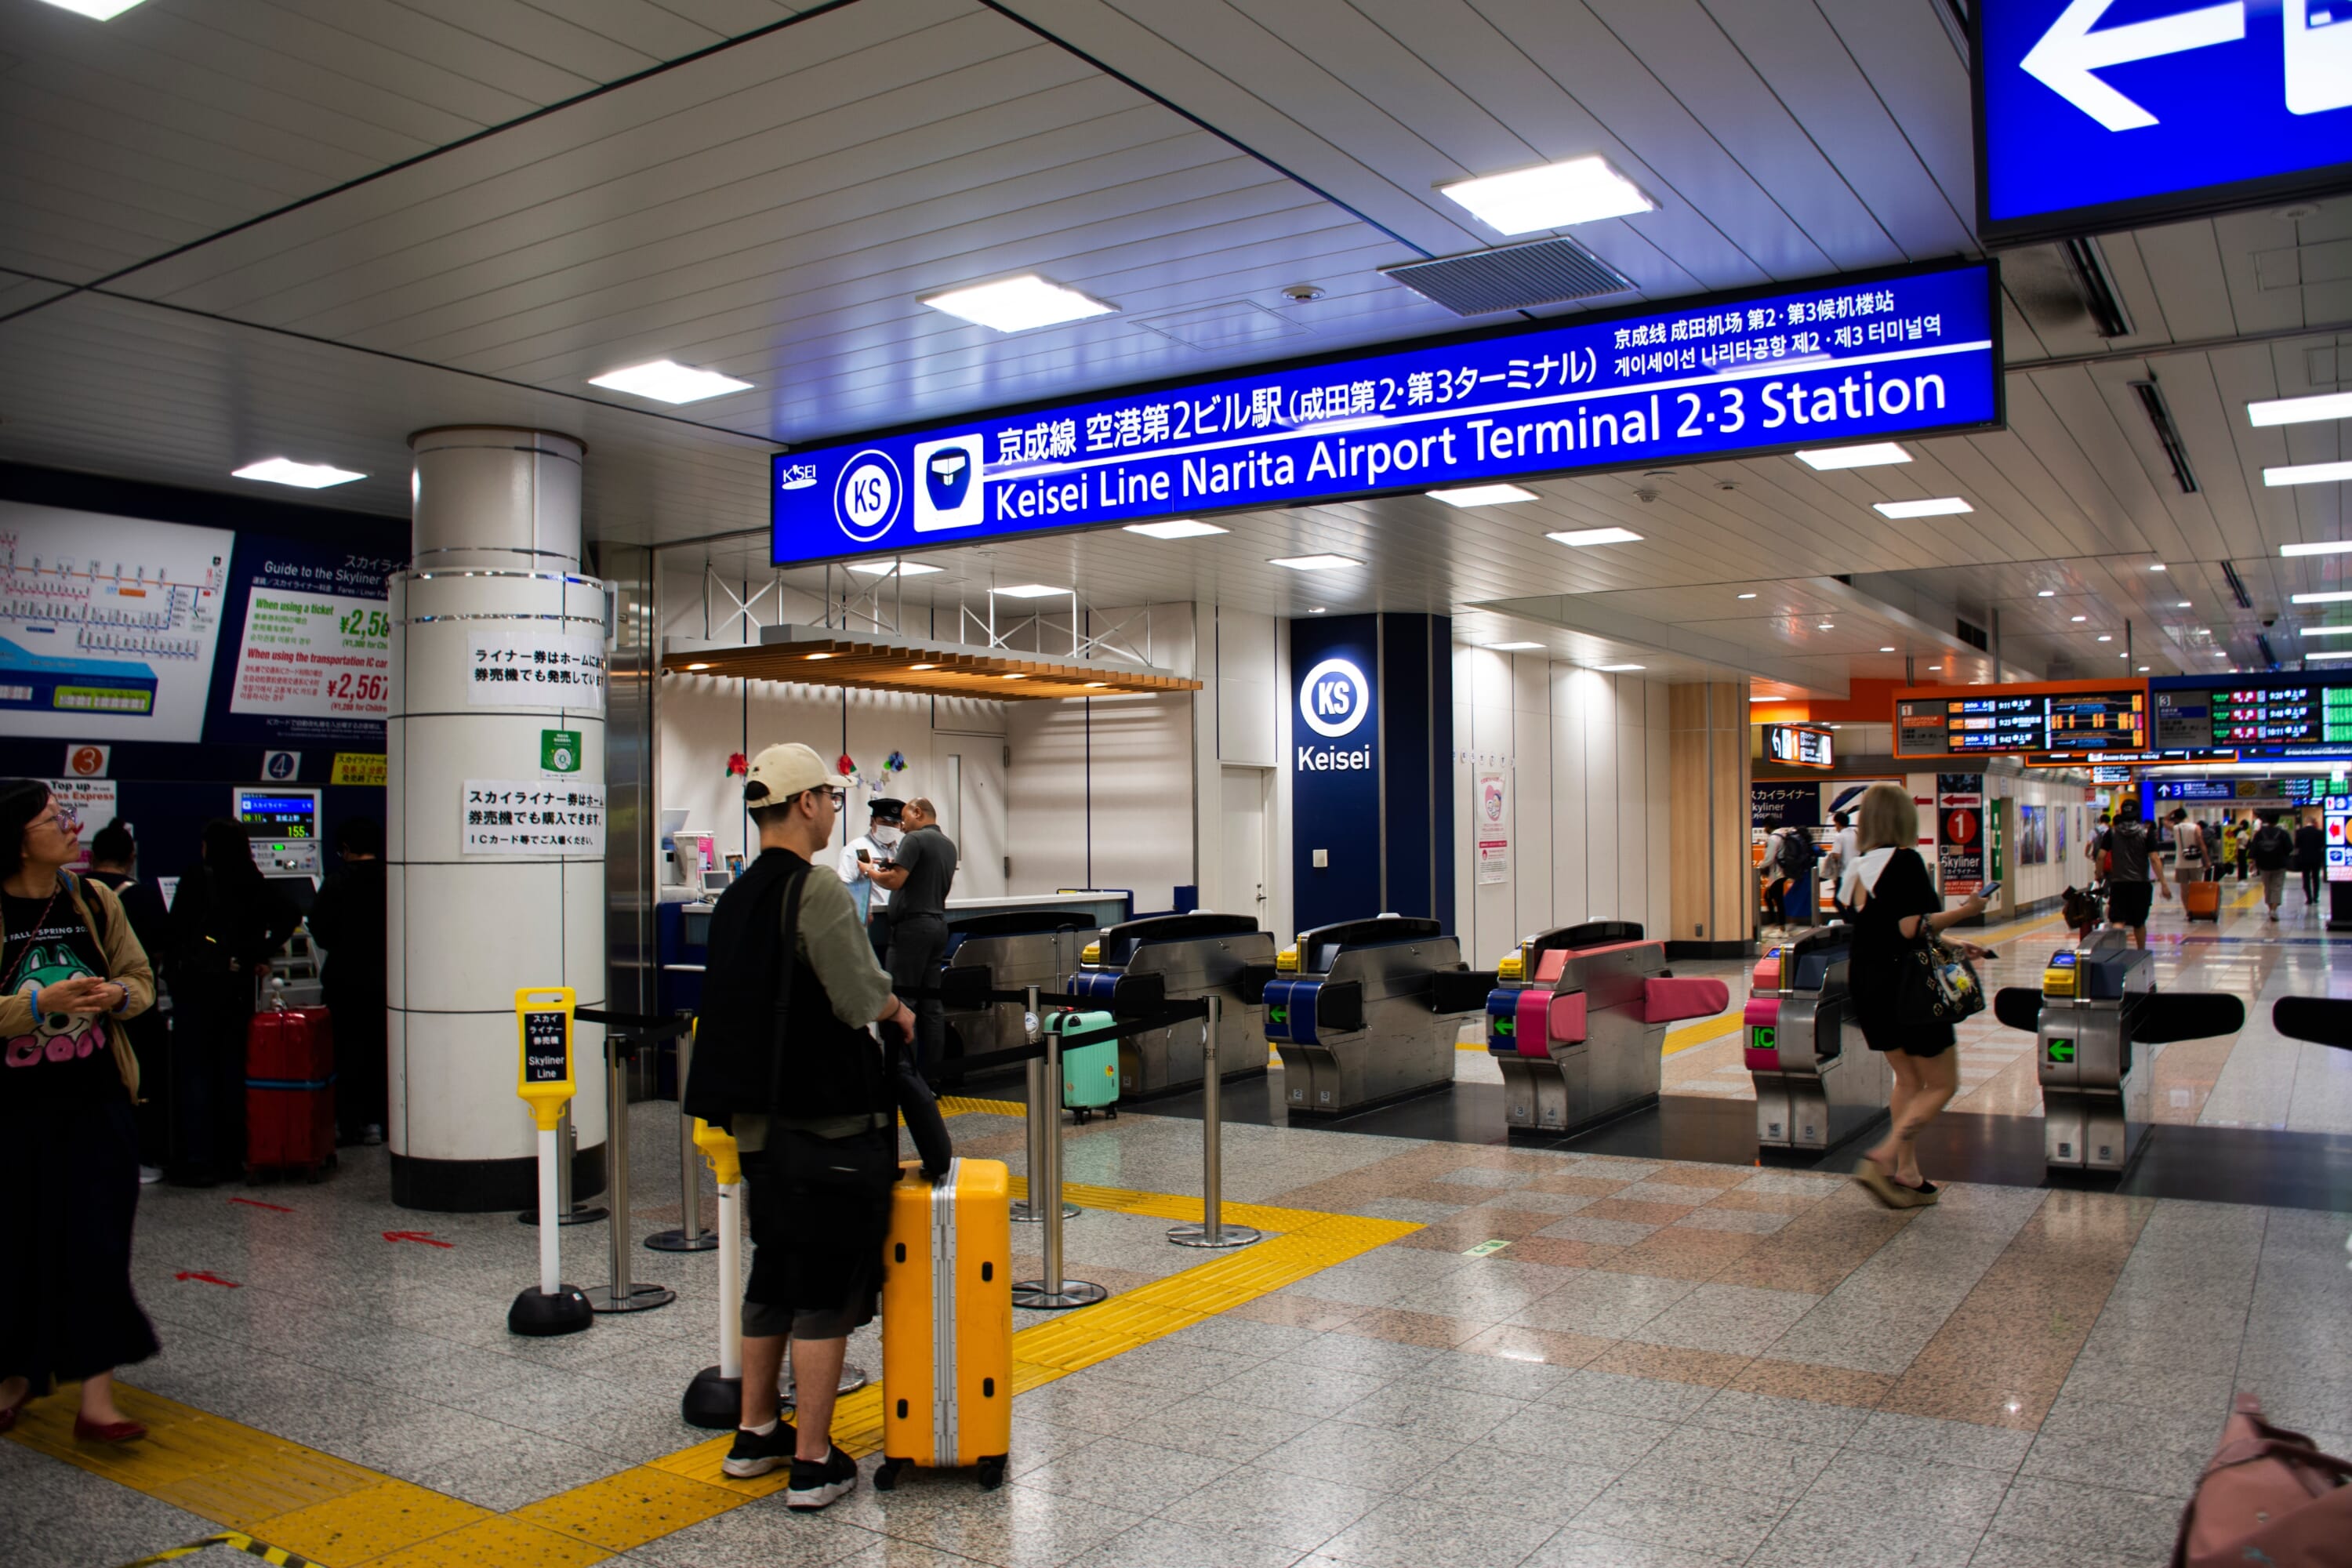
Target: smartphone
(1989, 891)
(864, 858)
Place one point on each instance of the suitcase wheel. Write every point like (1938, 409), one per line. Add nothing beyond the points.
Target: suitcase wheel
(886, 1474)
(1111, 1111)
(992, 1474)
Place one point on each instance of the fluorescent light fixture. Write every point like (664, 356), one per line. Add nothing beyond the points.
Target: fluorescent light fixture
(2327, 632)
(1513, 646)
(1578, 538)
(1615, 669)
(2315, 657)
(1578, 190)
(301, 476)
(1746, 596)
(2047, 593)
(2300, 410)
(1481, 495)
(1017, 304)
(98, 10)
(884, 568)
(2338, 548)
(1314, 562)
(666, 383)
(1943, 505)
(1865, 457)
(2332, 596)
(1031, 590)
(2307, 474)
(1177, 528)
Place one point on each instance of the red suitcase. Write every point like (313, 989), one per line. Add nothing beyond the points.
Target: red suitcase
(289, 1092)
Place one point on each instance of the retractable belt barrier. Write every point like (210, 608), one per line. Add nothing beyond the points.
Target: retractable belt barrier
(623, 1294)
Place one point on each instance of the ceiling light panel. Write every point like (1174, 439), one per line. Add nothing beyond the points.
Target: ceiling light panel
(1481, 495)
(1031, 590)
(1615, 669)
(1019, 304)
(2338, 548)
(1177, 528)
(903, 568)
(301, 476)
(1314, 562)
(665, 382)
(2326, 632)
(1514, 647)
(1871, 455)
(2300, 410)
(2307, 474)
(1555, 196)
(1578, 538)
(1942, 506)
(2332, 596)
(98, 10)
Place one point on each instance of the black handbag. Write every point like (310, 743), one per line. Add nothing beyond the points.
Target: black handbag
(1938, 985)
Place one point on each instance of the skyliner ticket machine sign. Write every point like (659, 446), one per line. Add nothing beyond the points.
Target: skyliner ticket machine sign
(545, 1080)
(1908, 352)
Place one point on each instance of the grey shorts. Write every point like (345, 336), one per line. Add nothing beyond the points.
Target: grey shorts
(763, 1321)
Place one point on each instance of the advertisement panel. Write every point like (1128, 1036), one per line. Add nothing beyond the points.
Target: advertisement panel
(1960, 834)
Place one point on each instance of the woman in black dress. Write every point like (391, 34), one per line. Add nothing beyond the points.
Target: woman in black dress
(1894, 898)
(71, 971)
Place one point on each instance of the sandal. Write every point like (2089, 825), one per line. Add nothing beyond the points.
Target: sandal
(1882, 1184)
(8, 1416)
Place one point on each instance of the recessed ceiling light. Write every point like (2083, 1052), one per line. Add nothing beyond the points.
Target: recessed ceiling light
(1017, 675)
(1943, 505)
(884, 568)
(2047, 593)
(1746, 596)
(1097, 685)
(2332, 596)
(1578, 538)
(1481, 495)
(1180, 528)
(1886, 650)
(1513, 646)
(1615, 669)
(1578, 190)
(923, 666)
(2338, 548)
(2158, 567)
(2327, 632)
(698, 666)
(2306, 474)
(99, 10)
(2078, 619)
(666, 383)
(1866, 456)
(2143, 670)
(1314, 562)
(1826, 627)
(301, 476)
(2123, 656)
(1030, 591)
(2300, 410)
(1017, 304)
(1763, 697)
(2182, 605)
(1315, 611)
(2315, 657)
(2105, 637)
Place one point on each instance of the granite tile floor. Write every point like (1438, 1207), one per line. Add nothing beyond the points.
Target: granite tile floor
(1668, 1363)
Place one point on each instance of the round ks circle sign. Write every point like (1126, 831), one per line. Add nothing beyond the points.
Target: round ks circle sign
(1334, 699)
(866, 497)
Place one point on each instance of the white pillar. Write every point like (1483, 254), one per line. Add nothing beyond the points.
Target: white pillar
(496, 582)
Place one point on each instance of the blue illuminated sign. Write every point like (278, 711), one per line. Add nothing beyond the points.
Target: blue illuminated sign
(2097, 115)
(1905, 353)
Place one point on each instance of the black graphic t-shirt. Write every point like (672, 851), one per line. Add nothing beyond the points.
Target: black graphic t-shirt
(65, 1059)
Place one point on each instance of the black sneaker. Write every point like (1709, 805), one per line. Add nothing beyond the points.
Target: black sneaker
(753, 1455)
(816, 1483)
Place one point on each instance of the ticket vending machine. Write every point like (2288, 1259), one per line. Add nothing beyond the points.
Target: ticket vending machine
(284, 824)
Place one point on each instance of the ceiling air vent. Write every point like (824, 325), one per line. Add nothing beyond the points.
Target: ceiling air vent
(1511, 277)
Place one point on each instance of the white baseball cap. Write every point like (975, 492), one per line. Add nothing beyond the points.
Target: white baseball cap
(783, 771)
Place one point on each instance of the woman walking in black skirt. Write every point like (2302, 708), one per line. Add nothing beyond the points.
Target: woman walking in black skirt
(71, 970)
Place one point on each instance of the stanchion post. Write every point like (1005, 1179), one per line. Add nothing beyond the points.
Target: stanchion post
(714, 1398)
(1045, 1123)
(1051, 1290)
(567, 1154)
(623, 1295)
(689, 1236)
(1212, 1230)
(544, 1082)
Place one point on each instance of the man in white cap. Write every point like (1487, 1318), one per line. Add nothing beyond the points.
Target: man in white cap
(783, 1060)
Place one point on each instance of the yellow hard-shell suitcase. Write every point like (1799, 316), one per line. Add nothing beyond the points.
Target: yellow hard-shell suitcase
(947, 1323)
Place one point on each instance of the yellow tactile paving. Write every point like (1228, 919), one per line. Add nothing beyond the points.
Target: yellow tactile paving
(500, 1540)
(627, 1511)
(367, 1524)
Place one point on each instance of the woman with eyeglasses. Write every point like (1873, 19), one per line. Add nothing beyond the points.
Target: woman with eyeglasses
(228, 922)
(71, 971)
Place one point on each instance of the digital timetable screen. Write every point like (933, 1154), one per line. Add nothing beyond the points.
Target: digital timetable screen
(2307, 712)
(2003, 721)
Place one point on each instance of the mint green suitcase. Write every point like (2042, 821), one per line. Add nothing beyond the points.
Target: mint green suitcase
(1090, 1073)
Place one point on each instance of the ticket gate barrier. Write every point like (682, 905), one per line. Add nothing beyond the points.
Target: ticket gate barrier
(2093, 1018)
(1816, 1084)
(1192, 957)
(1581, 1037)
(1013, 950)
(1363, 1012)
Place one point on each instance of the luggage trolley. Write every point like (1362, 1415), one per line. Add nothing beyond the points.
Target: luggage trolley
(1366, 1011)
(1815, 1085)
(1192, 955)
(1582, 1040)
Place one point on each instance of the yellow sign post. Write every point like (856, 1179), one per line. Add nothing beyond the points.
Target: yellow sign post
(714, 1398)
(544, 1079)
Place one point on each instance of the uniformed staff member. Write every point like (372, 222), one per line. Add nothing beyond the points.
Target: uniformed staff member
(859, 857)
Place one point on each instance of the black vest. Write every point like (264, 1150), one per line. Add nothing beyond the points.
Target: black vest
(748, 1056)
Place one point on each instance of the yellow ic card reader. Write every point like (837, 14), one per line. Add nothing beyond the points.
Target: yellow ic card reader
(543, 1074)
(1092, 954)
(1287, 960)
(1512, 968)
(2058, 979)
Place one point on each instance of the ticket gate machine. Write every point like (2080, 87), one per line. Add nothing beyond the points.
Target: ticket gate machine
(1366, 1011)
(1017, 947)
(2094, 1085)
(1816, 1084)
(1581, 1039)
(1192, 955)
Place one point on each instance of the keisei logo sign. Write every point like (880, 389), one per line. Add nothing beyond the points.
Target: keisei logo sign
(868, 496)
(1333, 701)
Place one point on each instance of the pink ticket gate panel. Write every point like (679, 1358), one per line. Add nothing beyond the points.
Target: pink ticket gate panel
(1583, 1041)
(1816, 1084)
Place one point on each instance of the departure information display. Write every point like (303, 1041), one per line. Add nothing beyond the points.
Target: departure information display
(2071, 720)
(1798, 747)
(2309, 712)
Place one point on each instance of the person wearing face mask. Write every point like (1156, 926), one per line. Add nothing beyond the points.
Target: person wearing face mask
(859, 859)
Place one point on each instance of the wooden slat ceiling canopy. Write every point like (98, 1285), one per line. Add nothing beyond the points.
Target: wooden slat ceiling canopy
(818, 657)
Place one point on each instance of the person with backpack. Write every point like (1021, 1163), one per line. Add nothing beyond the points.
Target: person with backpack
(71, 974)
(2135, 872)
(2188, 862)
(1787, 856)
(2310, 858)
(2270, 848)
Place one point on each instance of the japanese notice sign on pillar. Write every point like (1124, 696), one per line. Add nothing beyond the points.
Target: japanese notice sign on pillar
(521, 668)
(532, 816)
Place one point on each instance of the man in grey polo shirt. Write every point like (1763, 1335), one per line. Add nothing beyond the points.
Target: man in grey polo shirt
(921, 874)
